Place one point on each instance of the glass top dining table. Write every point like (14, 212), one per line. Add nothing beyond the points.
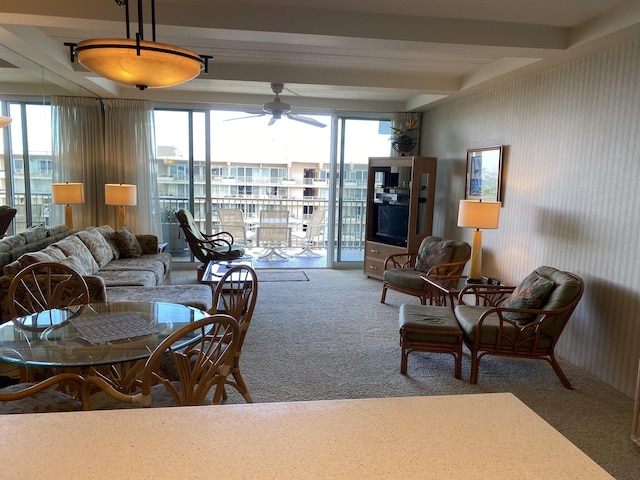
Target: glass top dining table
(94, 334)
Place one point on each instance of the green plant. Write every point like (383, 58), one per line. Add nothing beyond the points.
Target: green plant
(167, 215)
(404, 135)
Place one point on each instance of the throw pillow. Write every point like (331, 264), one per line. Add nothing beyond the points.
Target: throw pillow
(97, 245)
(72, 245)
(109, 235)
(128, 243)
(531, 293)
(433, 252)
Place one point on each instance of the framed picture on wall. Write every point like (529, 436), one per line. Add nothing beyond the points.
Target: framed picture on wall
(484, 173)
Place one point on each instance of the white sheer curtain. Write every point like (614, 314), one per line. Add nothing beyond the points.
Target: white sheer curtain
(78, 155)
(130, 158)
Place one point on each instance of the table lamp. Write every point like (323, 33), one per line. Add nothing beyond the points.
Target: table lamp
(120, 194)
(477, 214)
(67, 194)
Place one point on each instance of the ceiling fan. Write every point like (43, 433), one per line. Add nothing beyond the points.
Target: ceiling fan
(277, 109)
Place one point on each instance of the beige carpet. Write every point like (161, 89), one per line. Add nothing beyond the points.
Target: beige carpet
(331, 338)
(281, 276)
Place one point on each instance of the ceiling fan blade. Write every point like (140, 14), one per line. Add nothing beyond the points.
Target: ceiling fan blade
(307, 120)
(272, 121)
(248, 116)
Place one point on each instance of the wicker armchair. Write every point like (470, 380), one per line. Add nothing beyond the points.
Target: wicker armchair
(525, 321)
(436, 256)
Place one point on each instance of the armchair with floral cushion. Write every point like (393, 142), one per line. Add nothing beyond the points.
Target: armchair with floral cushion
(436, 256)
(524, 321)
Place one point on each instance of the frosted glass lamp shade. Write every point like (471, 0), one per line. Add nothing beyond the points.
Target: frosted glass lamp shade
(120, 194)
(149, 64)
(67, 193)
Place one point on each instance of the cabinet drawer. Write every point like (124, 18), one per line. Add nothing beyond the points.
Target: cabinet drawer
(380, 250)
(373, 267)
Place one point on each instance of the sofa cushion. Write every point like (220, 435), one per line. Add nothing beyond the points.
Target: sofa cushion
(11, 269)
(433, 251)
(109, 235)
(123, 278)
(35, 233)
(35, 257)
(405, 278)
(531, 293)
(76, 264)
(72, 245)
(57, 230)
(97, 245)
(137, 264)
(11, 242)
(127, 243)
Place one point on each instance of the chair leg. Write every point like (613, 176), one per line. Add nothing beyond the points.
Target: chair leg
(475, 367)
(559, 373)
(384, 293)
(241, 386)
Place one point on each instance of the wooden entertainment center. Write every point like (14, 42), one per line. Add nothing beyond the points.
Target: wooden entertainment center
(400, 199)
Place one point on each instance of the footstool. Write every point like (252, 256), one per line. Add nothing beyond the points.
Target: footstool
(427, 328)
(197, 296)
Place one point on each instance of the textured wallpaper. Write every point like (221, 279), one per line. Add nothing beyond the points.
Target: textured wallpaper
(571, 193)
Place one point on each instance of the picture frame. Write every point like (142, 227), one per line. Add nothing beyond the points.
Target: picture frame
(484, 173)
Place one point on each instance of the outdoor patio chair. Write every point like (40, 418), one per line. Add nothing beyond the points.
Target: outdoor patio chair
(232, 221)
(311, 233)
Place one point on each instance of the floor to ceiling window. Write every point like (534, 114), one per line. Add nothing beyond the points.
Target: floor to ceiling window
(250, 163)
(26, 172)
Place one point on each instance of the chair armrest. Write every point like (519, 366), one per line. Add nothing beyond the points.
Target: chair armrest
(93, 384)
(400, 260)
(485, 295)
(451, 269)
(219, 236)
(62, 378)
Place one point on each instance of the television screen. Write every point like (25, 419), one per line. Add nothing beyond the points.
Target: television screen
(392, 224)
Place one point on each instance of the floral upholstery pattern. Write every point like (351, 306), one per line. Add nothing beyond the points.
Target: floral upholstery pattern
(109, 235)
(72, 245)
(127, 243)
(531, 293)
(433, 252)
(97, 245)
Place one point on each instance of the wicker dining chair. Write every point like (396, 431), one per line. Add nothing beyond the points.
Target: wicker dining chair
(200, 368)
(236, 294)
(44, 286)
(42, 397)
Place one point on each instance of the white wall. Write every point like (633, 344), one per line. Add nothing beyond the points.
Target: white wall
(571, 193)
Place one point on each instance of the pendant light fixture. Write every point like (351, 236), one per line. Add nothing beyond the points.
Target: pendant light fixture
(136, 61)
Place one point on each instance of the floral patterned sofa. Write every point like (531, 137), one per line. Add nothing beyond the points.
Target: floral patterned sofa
(106, 258)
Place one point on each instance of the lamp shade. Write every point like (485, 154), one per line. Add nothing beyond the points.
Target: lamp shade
(67, 193)
(122, 194)
(125, 61)
(4, 121)
(479, 214)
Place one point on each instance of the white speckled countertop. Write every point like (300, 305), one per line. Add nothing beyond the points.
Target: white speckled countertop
(483, 436)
